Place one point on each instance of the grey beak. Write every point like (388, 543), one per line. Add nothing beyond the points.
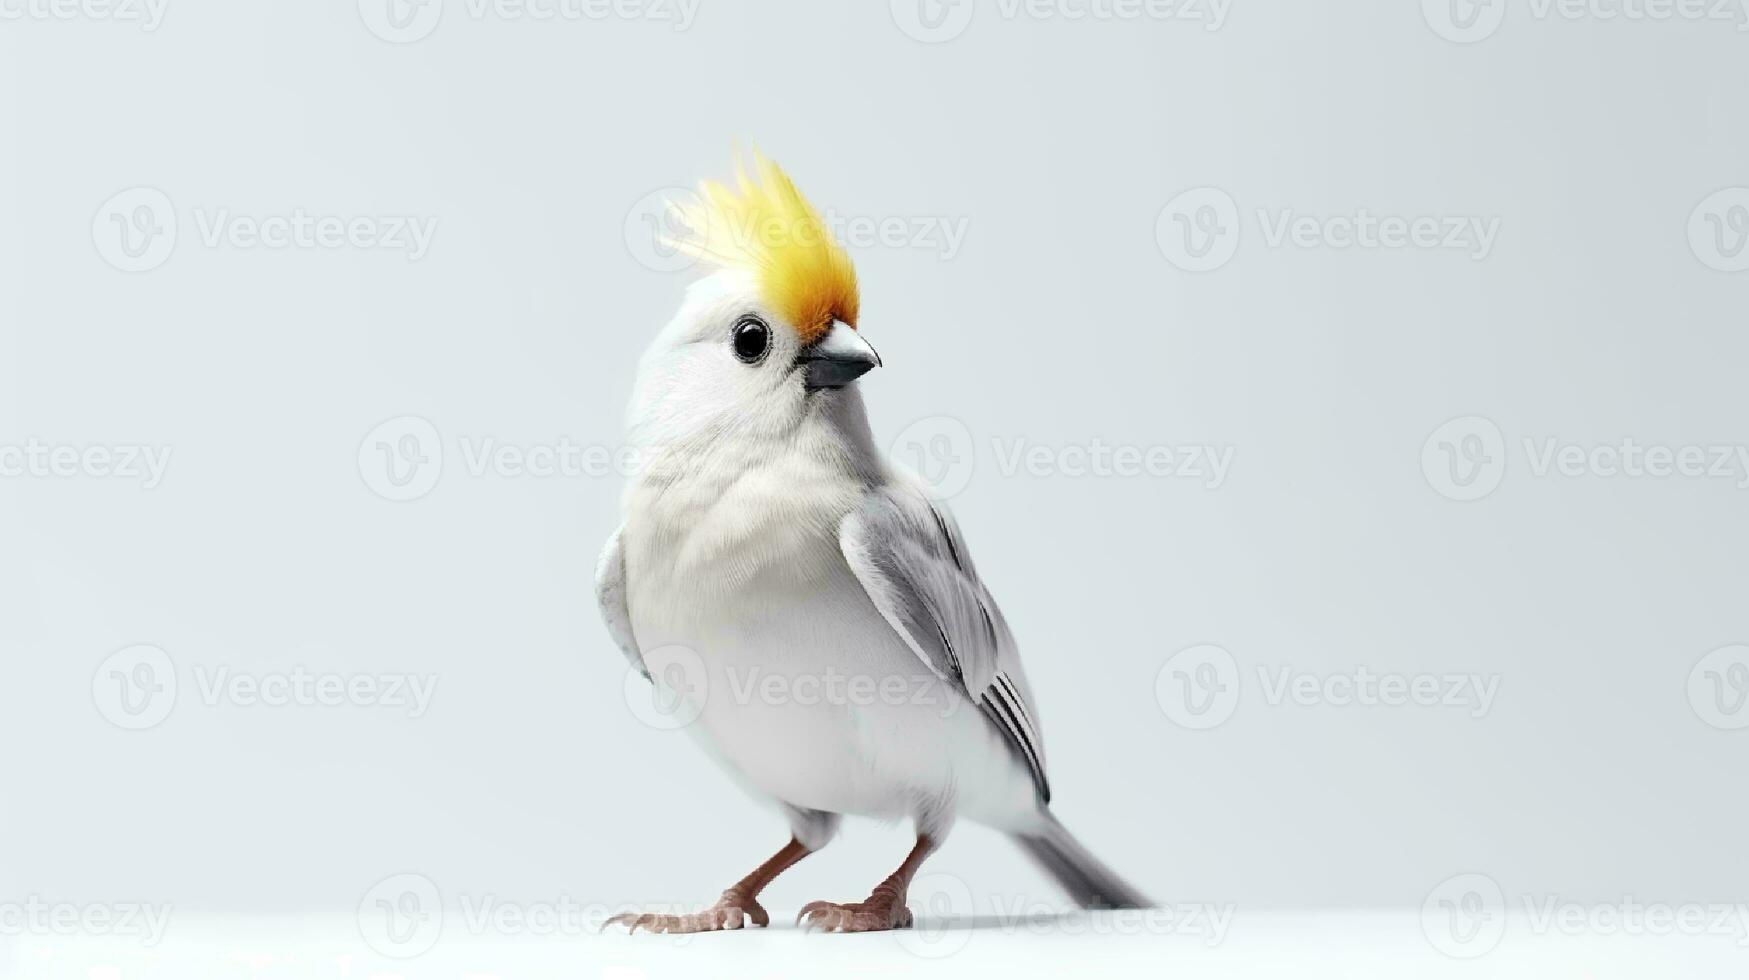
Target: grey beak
(838, 358)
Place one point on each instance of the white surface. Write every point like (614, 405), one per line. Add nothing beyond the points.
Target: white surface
(1258, 944)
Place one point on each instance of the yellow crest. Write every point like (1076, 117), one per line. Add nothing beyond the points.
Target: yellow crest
(766, 228)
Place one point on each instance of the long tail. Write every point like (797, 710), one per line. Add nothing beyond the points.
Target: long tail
(1088, 881)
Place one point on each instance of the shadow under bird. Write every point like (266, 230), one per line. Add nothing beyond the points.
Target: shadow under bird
(769, 549)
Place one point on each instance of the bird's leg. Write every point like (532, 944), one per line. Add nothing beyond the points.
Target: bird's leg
(883, 909)
(738, 904)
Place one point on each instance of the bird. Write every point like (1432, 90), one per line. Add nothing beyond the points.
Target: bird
(809, 604)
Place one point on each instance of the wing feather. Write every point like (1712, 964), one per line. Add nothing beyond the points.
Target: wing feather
(610, 592)
(908, 554)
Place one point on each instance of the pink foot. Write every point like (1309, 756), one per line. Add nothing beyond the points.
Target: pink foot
(732, 911)
(878, 914)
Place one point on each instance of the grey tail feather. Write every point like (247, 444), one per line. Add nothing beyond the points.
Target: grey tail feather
(1088, 881)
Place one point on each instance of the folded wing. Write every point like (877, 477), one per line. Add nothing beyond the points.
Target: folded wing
(907, 553)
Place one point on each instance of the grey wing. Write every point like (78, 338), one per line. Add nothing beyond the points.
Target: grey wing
(907, 553)
(610, 592)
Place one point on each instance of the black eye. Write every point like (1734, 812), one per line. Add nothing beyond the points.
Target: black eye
(752, 338)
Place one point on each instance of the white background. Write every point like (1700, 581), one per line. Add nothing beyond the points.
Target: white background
(1607, 306)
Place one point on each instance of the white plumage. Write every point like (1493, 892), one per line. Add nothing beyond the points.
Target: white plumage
(852, 662)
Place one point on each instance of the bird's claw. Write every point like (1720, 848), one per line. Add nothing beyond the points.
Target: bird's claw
(870, 916)
(730, 912)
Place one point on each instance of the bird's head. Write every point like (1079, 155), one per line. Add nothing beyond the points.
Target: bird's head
(769, 337)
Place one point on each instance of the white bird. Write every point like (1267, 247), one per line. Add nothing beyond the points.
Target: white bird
(814, 607)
